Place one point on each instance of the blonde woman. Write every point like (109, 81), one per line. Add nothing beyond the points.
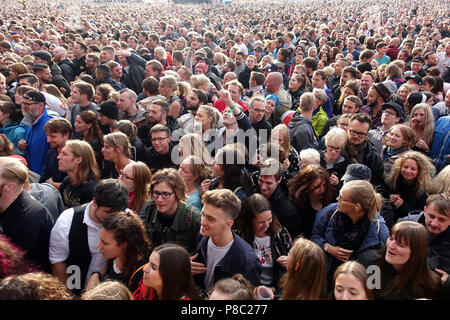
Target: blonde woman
(422, 123)
(168, 88)
(116, 153)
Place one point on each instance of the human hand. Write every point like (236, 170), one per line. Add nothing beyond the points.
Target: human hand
(286, 163)
(205, 185)
(444, 275)
(22, 144)
(339, 253)
(422, 145)
(282, 260)
(334, 180)
(197, 267)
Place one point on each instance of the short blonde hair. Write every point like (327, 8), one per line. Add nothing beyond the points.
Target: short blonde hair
(108, 290)
(336, 137)
(13, 170)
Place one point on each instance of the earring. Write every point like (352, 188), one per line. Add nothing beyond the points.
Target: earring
(356, 207)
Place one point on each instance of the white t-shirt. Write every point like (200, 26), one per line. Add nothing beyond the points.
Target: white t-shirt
(59, 241)
(263, 251)
(213, 257)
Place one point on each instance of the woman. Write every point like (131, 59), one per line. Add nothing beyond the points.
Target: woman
(305, 276)
(116, 153)
(192, 144)
(136, 177)
(352, 227)
(16, 69)
(167, 276)
(234, 288)
(12, 259)
(228, 167)
(350, 282)
(168, 87)
(137, 147)
(194, 171)
(404, 90)
(86, 124)
(271, 241)
(12, 127)
(399, 140)
(422, 123)
(102, 92)
(380, 73)
(108, 290)
(79, 184)
(405, 273)
(125, 245)
(440, 184)
(272, 102)
(409, 183)
(209, 118)
(6, 147)
(331, 158)
(310, 191)
(297, 86)
(413, 99)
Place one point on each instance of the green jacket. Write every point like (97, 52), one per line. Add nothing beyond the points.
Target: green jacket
(183, 231)
(318, 121)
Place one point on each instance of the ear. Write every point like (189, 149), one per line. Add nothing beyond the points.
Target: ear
(230, 223)
(78, 160)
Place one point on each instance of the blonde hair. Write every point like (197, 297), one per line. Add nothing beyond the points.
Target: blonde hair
(363, 192)
(108, 290)
(213, 113)
(428, 129)
(440, 184)
(118, 139)
(284, 130)
(88, 167)
(14, 170)
(192, 144)
(336, 136)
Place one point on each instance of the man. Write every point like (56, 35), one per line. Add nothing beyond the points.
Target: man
(435, 217)
(133, 69)
(159, 114)
(221, 253)
(442, 108)
(336, 77)
(239, 63)
(244, 76)
(417, 66)
(195, 99)
(81, 96)
(348, 73)
(393, 50)
(132, 112)
(108, 115)
(107, 54)
(257, 116)
(367, 80)
(431, 60)
(238, 39)
(76, 234)
(413, 78)
(79, 51)
(44, 57)
(444, 60)
(159, 155)
(23, 219)
(103, 75)
(92, 62)
(236, 89)
(36, 145)
(150, 92)
(273, 85)
(270, 185)
(319, 80)
(256, 83)
(351, 49)
(378, 94)
(67, 67)
(42, 71)
(58, 131)
(228, 77)
(359, 149)
(168, 217)
(351, 105)
(153, 68)
(440, 148)
(300, 128)
(381, 56)
(392, 114)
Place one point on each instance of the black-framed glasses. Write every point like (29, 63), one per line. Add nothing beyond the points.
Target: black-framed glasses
(123, 174)
(337, 149)
(158, 139)
(359, 134)
(164, 195)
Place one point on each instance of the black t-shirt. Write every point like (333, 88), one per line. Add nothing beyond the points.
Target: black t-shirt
(75, 195)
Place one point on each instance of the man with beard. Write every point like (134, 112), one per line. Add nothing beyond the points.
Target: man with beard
(159, 114)
(377, 95)
(196, 98)
(36, 145)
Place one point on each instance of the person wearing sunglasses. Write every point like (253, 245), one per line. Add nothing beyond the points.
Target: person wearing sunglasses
(168, 217)
(359, 149)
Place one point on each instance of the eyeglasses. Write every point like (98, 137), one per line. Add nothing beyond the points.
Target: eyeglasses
(335, 148)
(123, 174)
(28, 103)
(342, 199)
(158, 139)
(390, 113)
(164, 195)
(359, 134)
(259, 110)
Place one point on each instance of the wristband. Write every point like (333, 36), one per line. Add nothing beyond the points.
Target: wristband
(325, 247)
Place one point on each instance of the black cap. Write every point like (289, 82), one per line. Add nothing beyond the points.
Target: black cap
(35, 96)
(364, 66)
(258, 49)
(44, 55)
(356, 171)
(109, 108)
(272, 67)
(395, 106)
(417, 59)
(414, 76)
(383, 91)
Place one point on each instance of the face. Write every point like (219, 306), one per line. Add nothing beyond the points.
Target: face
(397, 253)
(261, 222)
(160, 142)
(30, 109)
(403, 93)
(117, 72)
(235, 92)
(345, 205)
(161, 191)
(257, 112)
(108, 246)
(109, 152)
(214, 221)
(409, 170)
(203, 117)
(238, 60)
(127, 177)
(75, 95)
(357, 132)
(366, 82)
(228, 119)
(268, 185)
(344, 78)
(186, 173)
(416, 66)
(317, 81)
(270, 106)
(435, 221)
(396, 139)
(155, 112)
(348, 287)
(348, 106)
(67, 160)
(348, 92)
(251, 62)
(125, 102)
(420, 116)
(193, 101)
(81, 126)
(151, 277)
(317, 189)
(56, 139)
(294, 84)
(45, 75)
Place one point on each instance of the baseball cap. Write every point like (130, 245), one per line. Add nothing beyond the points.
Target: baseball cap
(356, 171)
(35, 96)
(414, 76)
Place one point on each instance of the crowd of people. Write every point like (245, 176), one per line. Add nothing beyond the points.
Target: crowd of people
(243, 151)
